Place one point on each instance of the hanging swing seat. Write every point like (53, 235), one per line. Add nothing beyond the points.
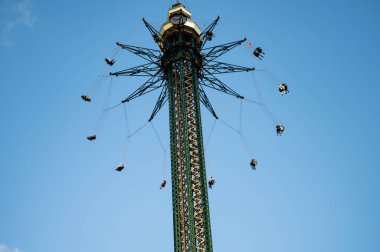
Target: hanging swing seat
(91, 138)
(258, 52)
(109, 61)
(119, 168)
(211, 182)
(86, 98)
(163, 184)
(283, 88)
(280, 129)
(253, 164)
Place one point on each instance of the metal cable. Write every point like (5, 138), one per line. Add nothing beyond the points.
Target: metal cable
(210, 134)
(137, 130)
(163, 149)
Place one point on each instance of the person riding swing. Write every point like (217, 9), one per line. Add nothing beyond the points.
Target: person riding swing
(91, 138)
(109, 61)
(209, 35)
(280, 129)
(119, 168)
(163, 184)
(253, 164)
(86, 98)
(283, 88)
(211, 182)
(258, 52)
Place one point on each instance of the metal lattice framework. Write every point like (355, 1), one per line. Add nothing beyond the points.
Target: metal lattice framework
(181, 69)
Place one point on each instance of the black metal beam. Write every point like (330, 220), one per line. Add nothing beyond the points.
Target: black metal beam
(162, 99)
(148, 54)
(155, 34)
(206, 102)
(211, 81)
(215, 52)
(155, 82)
(148, 69)
(216, 67)
(210, 28)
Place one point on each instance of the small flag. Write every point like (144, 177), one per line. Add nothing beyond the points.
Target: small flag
(249, 44)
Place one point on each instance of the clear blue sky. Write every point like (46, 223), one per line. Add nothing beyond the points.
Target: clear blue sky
(316, 187)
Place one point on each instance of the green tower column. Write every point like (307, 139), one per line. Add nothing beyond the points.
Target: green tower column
(182, 62)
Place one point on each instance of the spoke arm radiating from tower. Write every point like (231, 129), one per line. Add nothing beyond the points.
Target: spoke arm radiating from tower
(212, 82)
(148, 69)
(155, 34)
(148, 54)
(154, 83)
(162, 99)
(212, 53)
(206, 102)
(209, 29)
(216, 67)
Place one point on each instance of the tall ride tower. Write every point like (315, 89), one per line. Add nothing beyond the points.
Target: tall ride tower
(182, 63)
(181, 68)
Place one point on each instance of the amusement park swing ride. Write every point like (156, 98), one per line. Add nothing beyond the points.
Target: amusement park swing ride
(182, 68)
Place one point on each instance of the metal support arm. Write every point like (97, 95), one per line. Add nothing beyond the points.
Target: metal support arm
(212, 53)
(155, 34)
(206, 102)
(216, 67)
(214, 83)
(162, 99)
(209, 29)
(148, 69)
(148, 54)
(155, 82)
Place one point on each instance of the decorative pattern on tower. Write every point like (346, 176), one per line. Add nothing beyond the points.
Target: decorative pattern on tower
(181, 68)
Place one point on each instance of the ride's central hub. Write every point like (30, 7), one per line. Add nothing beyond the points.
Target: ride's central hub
(181, 53)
